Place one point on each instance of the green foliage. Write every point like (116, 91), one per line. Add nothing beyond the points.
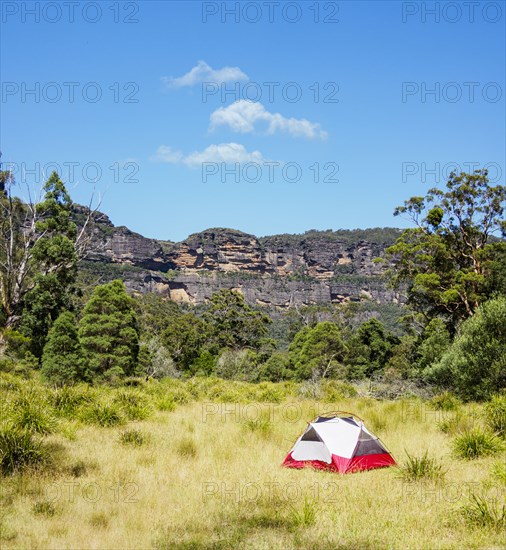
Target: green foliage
(445, 401)
(19, 449)
(495, 415)
(475, 444)
(369, 349)
(63, 360)
(278, 367)
(447, 258)
(317, 352)
(238, 365)
(435, 341)
(236, 325)
(484, 513)
(423, 467)
(475, 364)
(132, 437)
(134, 404)
(185, 337)
(204, 364)
(102, 414)
(108, 332)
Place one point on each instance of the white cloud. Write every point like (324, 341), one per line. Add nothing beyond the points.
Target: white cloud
(202, 72)
(229, 153)
(241, 116)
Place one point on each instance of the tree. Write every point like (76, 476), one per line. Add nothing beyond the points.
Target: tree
(39, 248)
(370, 348)
(63, 360)
(236, 324)
(185, 337)
(317, 352)
(475, 364)
(108, 332)
(446, 260)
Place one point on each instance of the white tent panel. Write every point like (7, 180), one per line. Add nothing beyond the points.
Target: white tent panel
(340, 440)
(311, 450)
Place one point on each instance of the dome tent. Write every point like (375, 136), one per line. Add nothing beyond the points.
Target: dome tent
(338, 442)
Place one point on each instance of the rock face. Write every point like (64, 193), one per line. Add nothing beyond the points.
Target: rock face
(317, 267)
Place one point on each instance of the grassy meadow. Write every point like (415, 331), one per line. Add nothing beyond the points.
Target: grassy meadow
(197, 464)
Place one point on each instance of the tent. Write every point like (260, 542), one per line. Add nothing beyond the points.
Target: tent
(338, 442)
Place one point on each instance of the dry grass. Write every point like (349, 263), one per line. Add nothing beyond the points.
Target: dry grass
(209, 476)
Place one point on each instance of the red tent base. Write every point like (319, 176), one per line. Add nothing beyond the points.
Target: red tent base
(343, 465)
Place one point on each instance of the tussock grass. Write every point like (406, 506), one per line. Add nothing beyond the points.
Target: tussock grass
(495, 415)
(475, 444)
(132, 437)
(19, 449)
(208, 480)
(102, 414)
(445, 401)
(484, 512)
(423, 467)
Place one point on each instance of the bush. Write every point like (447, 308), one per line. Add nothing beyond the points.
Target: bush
(474, 444)
(334, 390)
(495, 414)
(19, 449)
(475, 364)
(421, 467)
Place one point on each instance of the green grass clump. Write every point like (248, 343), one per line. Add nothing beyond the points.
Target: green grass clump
(456, 423)
(334, 391)
(421, 467)
(102, 414)
(134, 404)
(261, 425)
(44, 508)
(306, 515)
(484, 513)
(445, 401)
(132, 437)
(495, 415)
(187, 448)
(475, 444)
(19, 449)
(67, 399)
(498, 471)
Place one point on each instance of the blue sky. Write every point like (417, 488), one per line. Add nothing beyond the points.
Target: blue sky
(147, 109)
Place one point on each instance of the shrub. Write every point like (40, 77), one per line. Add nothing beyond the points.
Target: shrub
(456, 423)
(421, 467)
(334, 390)
(495, 414)
(19, 449)
(476, 443)
(475, 364)
(132, 437)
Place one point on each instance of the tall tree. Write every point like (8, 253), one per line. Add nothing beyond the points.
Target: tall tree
(39, 245)
(236, 324)
(446, 260)
(63, 360)
(108, 332)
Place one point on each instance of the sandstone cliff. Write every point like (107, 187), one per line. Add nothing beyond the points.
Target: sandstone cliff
(317, 267)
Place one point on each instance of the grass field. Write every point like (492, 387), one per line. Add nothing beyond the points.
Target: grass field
(202, 470)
